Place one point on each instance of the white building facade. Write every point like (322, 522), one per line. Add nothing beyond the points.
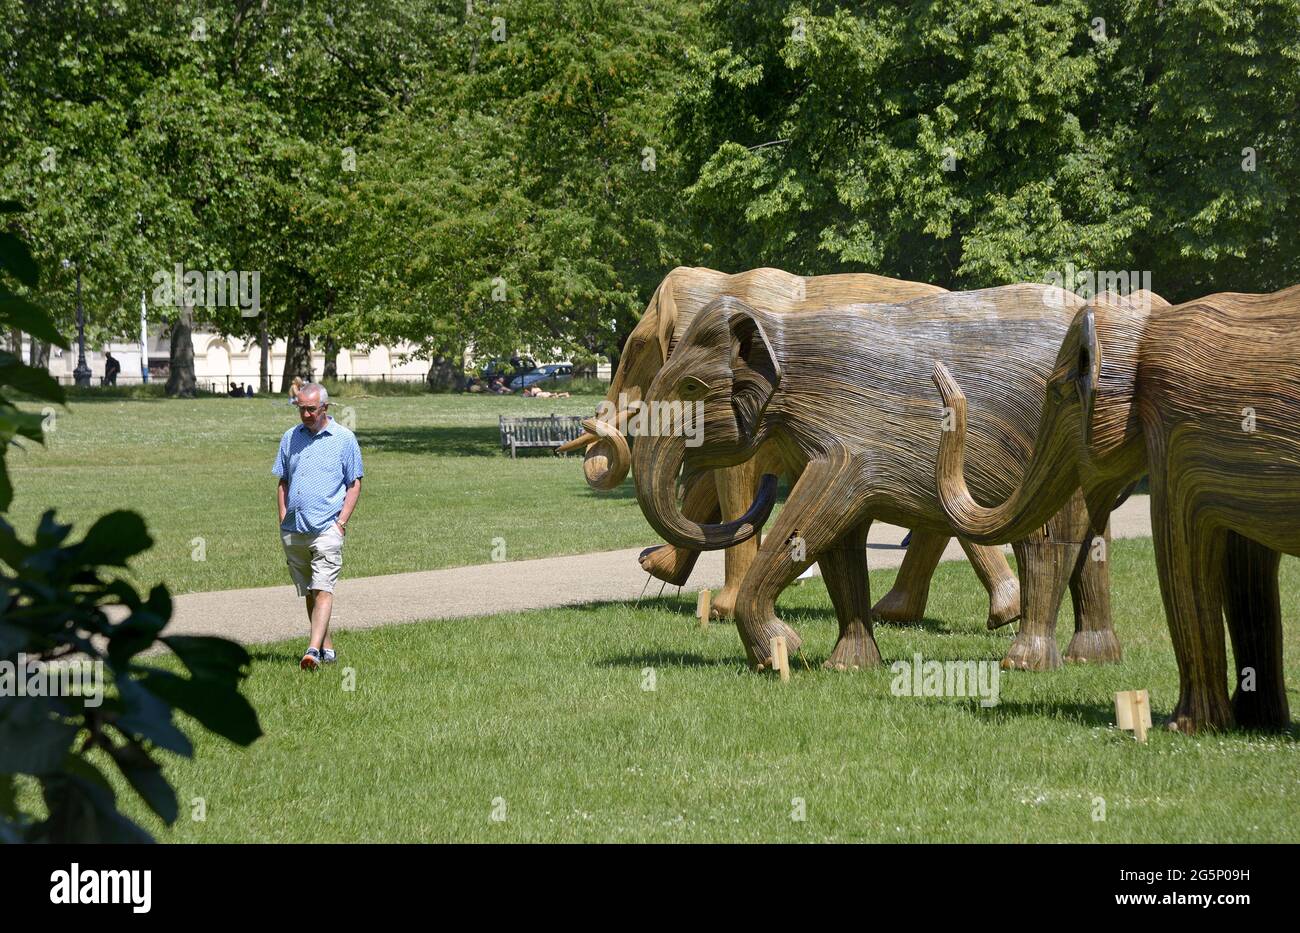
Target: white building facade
(220, 361)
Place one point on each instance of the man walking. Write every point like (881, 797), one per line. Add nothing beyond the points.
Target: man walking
(320, 472)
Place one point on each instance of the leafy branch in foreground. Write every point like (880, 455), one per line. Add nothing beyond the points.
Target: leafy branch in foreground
(61, 616)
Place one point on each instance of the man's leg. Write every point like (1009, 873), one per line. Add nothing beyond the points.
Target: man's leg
(311, 611)
(320, 618)
(326, 562)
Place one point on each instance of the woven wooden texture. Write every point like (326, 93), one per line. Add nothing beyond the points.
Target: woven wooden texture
(1205, 397)
(726, 493)
(844, 394)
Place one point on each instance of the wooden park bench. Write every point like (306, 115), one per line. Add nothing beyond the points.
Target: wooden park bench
(538, 432)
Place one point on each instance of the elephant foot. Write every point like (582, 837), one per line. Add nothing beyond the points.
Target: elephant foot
(1032, 653)
(1096, 646)
(1261, 710)
(723, 605)
(760, 654)
(671, 564)
(855, 651)
(1004, 604)
(1195, 714)
(899, 607)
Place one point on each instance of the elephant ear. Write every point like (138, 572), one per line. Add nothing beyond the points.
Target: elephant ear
(755, 370)
(1088, 372)
(666, 311)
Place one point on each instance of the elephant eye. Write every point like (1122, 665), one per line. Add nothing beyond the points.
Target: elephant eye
(690, 388)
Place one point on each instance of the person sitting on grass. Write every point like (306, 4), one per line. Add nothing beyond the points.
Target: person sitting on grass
(319, 466)
(498, 385)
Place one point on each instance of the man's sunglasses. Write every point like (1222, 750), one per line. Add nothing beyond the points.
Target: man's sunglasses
(312, 409)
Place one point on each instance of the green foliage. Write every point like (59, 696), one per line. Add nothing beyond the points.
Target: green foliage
(531, 198)
(1211, 81)
(55, 610)
(522, 173)
(55, 601)
(976, 143)
(15, 378)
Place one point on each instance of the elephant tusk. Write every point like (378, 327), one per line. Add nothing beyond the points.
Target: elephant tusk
(582, 440)
(609, 458)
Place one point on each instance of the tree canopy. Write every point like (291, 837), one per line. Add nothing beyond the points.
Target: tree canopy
(524, 172)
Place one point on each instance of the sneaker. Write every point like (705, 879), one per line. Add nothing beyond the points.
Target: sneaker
(311, 660)
(327, 656)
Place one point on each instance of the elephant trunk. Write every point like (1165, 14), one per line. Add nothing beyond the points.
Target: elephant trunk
(1050, 476)
(607, 460)
(657, 461)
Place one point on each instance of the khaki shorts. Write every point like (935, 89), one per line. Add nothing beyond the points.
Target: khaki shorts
(314, 560)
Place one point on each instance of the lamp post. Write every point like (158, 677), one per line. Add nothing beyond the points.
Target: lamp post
(80, 375)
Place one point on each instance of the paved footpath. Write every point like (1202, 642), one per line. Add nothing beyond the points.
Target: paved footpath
(276, 613)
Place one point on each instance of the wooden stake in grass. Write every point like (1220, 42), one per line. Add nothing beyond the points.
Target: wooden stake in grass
(781, 657)
(702, 608)
(1133, 712)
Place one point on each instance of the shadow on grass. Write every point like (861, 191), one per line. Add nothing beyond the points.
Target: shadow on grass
(276, 657)
(624, 490)
(1086, 714)
(641, 659)
(469, 441)
(444, 441)
(1103, 714)
(927, 624)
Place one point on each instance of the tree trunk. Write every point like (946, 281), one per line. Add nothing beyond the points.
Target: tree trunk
(447, 374)
(331, 359)
(297, 352)
(180, 376)
(265, 368)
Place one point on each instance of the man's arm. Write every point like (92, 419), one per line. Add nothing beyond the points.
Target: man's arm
(281, 489)
(350, 503)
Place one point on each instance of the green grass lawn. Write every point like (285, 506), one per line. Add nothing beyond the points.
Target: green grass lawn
(437, 490)
(546, 711)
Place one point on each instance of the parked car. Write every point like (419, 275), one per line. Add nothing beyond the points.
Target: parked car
(507, 368)
(544, 377)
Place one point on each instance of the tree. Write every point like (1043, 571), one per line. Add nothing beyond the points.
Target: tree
(65, 110)
(986, 142)
(1215, 145)
(938, 142)
(530, 198)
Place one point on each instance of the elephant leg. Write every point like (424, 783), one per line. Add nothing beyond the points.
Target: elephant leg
(1191, 587)
(819, 511)
(1254, 613)
(735, 491)
(844, 568)
(905, 603)
(1094, 640)
(672, 564)
(990, 565)
(1045, 566)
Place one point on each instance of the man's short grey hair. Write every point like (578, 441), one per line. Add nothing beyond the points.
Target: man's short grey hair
(321, 393)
